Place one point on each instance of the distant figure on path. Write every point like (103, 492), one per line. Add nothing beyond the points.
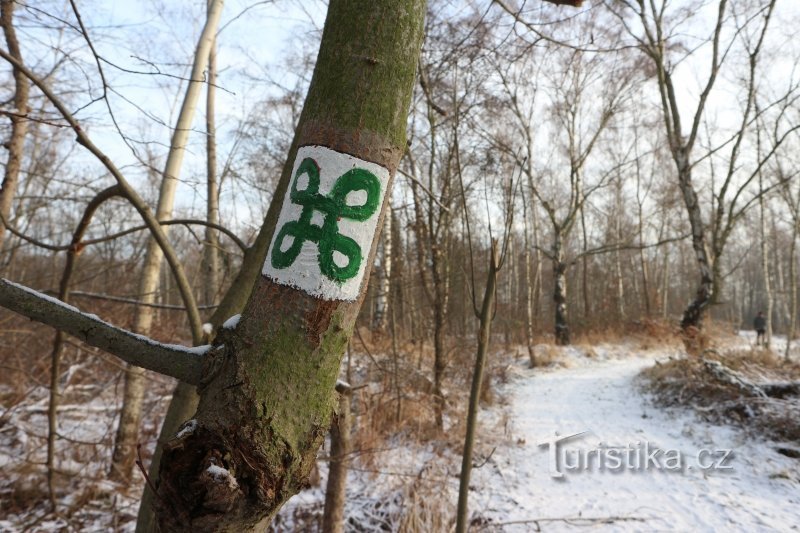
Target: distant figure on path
(760, 325)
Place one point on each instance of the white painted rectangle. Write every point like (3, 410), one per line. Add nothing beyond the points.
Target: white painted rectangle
(345, 237)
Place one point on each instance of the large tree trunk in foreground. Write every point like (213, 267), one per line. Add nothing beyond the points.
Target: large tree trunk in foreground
(267, 397)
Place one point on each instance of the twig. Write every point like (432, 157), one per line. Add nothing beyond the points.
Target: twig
(140, 464)
(576, 521)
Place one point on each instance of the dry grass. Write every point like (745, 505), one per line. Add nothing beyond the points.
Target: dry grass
(545, 355)
(649, 333)
(688, 382)
(428, 507)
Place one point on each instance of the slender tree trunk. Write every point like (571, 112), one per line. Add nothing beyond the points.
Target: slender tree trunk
(782, 312)
(211, 251)
(19, 120)
(537, 261)
(529, 288)
(765, 264)
(792, 285)
(560, 293)
(384, 273)
(645, 282)
(439, 363)
(665, 286)
(133, 395)
(484, 335)
(336, 489)
(587, 307)
(618, 265)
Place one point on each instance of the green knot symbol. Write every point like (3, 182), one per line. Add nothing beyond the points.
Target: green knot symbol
(334, 207)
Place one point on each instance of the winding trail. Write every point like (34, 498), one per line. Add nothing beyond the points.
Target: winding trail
(761, 491)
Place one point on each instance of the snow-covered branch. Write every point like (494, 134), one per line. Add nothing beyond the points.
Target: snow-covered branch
(173, 360)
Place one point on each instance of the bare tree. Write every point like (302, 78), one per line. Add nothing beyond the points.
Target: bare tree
(19, 119)
(655, 35)
(578, 124)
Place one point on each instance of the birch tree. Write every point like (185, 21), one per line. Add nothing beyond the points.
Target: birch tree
(655, 27)
(19, 119)
(133, 395)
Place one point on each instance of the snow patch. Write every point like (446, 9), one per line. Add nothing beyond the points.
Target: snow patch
(232, 322)
(222, 475)
(187, 429)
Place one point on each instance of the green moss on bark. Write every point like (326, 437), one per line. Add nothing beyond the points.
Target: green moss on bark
(374, 58)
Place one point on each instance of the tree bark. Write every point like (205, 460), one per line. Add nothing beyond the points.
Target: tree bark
(529, 289)
(484, 335)
(267, 400)
(19, 120)
(792, 284)
(560, 294)
(384, 273)
(335, 490)
(211, 250)
(765, 263)
(692, 319)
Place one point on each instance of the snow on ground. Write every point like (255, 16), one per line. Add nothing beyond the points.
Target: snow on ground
(404, 483)
(600, 396)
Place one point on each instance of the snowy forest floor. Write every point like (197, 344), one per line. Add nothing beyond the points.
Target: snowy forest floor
(408, 482)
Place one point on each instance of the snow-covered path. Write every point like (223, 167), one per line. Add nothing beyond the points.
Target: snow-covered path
(761, 492)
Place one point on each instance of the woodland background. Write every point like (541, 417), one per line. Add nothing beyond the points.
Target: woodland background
(541, 127)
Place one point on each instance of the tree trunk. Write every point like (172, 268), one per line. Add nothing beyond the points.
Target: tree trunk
(335, 491)
(384, 273)
(266, 400)
(587, 306)
(560, 294)
(130, 416)
(484, 335)
(692, 319)
(537, 261)
(618, 265)
(528, 287)
(665, 286)
(765, 263)
(19, 120)
(211, 250)
(439, 362)
(780, 305)
(792, 285)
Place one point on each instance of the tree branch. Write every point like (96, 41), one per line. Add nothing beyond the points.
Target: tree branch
(128, 192)
(172, 360)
